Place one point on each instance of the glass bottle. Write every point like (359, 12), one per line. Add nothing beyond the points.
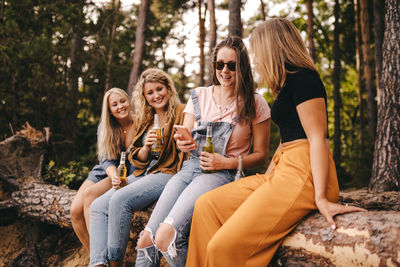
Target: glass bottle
(122, 171)
(208, 145)
(156, 147)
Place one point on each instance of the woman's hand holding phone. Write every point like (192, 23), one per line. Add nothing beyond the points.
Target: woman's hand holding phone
(183, 138)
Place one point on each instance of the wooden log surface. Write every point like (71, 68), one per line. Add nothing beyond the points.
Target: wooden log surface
(46, 203)
(361, 239)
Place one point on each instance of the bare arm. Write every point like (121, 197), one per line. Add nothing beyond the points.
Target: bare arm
(313, 119)
(257, 158)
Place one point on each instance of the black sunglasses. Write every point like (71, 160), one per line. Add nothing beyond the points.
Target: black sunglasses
(219, 65)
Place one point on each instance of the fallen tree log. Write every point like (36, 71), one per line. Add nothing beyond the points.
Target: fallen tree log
(360, 239)
(365, 238)
(46, 203)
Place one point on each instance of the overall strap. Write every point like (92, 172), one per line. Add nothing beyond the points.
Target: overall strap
(196, 106)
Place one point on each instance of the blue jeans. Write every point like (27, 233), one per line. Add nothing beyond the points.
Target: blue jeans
(111, 214)
(176, 205)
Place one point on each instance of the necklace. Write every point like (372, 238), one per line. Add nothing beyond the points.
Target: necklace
(127, 128)
(223, 110)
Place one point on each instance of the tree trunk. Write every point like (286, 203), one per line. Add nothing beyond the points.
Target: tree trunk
(139, 45)
(235, 22)
(262, 7)
(73, 75)
(386, 164)
(116, 7)
(365, 34)
(336, 88)
(378, 31)
(202, 34)
(213, 38)
(359, 69)
(310, 31)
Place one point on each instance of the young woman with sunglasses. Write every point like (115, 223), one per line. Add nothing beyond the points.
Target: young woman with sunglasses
(239, 118)
(243, 223)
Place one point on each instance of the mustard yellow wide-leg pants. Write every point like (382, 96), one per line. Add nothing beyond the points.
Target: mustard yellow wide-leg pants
(244, 222)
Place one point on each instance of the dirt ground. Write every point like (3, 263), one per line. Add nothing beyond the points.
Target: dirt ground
(29, 244)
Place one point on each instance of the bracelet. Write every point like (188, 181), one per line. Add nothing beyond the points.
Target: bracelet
(240, 166)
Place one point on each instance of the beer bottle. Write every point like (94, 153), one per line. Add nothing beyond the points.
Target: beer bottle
(156, 147)
(208, 145)
(122, 171)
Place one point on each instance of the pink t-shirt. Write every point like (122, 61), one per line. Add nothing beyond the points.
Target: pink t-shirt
(241, 138)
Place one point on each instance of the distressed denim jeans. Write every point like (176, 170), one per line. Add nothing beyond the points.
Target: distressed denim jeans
(176, 203)
(111, 214)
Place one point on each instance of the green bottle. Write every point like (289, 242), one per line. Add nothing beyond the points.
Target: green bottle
(208, 145)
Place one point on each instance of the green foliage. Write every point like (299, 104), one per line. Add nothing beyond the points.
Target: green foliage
(35, 66)
(72, 175)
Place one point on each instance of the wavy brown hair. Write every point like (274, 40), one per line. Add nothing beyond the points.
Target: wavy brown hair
(144, 113)
(276, 44)
(244, 87)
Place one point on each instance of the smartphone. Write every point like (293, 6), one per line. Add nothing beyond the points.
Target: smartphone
(182, 130)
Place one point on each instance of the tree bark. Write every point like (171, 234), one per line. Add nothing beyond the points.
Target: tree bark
(310, 31)
(336, 87)
(139, 45)
(360, 239)
(74, 73)
(262, 7)
(386, 164)
(359, 69)
(378, 32)
(115, 7)
(235, 22)
(202, 34)
(371, 93)
(213, 38)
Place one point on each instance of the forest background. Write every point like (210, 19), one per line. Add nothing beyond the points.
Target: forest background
(57, 58)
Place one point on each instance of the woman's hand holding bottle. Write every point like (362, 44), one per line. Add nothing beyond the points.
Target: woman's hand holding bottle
(212, 161)
(151, 138)
(115, 181)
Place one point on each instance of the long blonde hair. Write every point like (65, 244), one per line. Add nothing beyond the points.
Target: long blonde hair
(144, 113)
(275, 44)
(110, 136)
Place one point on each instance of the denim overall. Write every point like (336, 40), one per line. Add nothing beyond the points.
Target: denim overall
(176, 203)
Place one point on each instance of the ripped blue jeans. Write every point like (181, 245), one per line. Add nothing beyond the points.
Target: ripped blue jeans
(111, 213)
(175, 207)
